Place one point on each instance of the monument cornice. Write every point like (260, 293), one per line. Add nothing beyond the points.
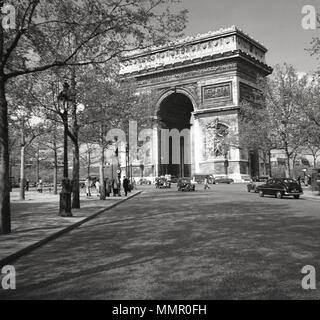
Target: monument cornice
(204, 65)
(203, 47)
(200, 112)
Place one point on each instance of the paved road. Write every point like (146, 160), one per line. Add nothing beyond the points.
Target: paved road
(219, 244)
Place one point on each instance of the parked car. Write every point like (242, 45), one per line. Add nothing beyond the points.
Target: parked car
(223, 180)
(162, 183)
(144, 181)
(199, 178)
(255, 182)
(186, 185)
(280, 187)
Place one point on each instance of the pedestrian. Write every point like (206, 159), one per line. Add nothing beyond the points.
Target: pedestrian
(27, 185)
(206, 183)
(125, 185)
(97, 185)
(114, 187)
(134, 184)
(87, 186)
(118, 181)
(108, 187)
(40, 185)
(306, 180)
(299, 180)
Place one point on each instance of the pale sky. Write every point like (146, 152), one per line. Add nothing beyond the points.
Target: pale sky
(275, 23)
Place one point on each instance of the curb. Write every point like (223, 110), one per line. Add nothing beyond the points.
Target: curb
(316, 198)
(59, 233)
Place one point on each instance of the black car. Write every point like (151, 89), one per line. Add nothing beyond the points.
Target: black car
(199, 178)
(280, 187)
(144, 181)
(186, 185)
(223, 180)
(162, 183)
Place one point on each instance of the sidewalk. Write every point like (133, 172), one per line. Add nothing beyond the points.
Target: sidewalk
(35, 221)
(309, 194)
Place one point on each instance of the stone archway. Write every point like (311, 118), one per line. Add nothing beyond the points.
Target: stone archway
(175, 142)
(216, 71)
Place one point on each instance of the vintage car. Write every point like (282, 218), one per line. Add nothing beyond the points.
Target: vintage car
(223, 180)
(255, 182)
(144, 181)
(199, 178)
(280, 187)
(162, 183)
(186, 185)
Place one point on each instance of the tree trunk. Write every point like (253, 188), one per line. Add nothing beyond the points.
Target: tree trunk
(270, 167)
(38, 168)
(55, 171)
(264, 164)
(65, 146)
(88, 161)
(5, 221)
(38, 164)
(22, 173)
(75, 178)
(75, 140)
(101, 176)
(288, 169)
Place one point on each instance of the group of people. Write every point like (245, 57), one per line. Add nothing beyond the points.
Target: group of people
(39, 185)
(112, 186)
(306, 180)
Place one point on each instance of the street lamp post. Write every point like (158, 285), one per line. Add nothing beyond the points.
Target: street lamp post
(65, 194)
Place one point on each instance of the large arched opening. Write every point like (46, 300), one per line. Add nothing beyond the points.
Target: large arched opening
(175, 115)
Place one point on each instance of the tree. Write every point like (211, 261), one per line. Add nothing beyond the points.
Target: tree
(52, 143)
(24, 120)
(96, 31)
(30, 130)
(256, 134)
(277, 124)
(309, 101)
(110, 104)
(87, 156)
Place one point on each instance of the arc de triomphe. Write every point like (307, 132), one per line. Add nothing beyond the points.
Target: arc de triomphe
(199, 83)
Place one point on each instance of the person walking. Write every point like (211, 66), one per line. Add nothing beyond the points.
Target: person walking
(125, 185)
(134, 184)
(87, 186)
(206, 183)
(97, 185)
(108, 187)
(40, 185)
(27, 185)
(299, 180)
(114, 187)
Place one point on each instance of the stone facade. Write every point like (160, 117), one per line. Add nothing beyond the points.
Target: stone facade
(215, 71)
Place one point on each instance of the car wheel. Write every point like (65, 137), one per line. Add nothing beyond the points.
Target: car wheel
(261, 194)
(279, 194)
(297, 196)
